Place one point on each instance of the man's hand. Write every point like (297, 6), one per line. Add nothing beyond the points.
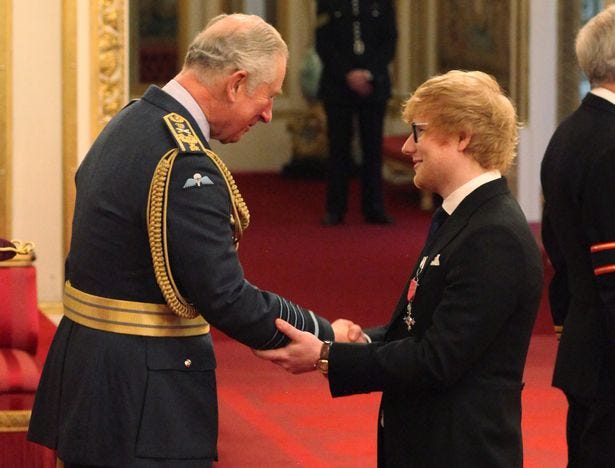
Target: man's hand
(300, 355)
(347, 331)
(359, 81)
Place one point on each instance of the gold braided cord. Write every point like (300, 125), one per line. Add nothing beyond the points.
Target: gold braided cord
(157, 231)
(240, 209)
(157, 227)
(19, 247)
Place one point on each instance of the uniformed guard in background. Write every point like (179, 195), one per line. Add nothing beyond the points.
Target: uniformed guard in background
(355, 40)
(129, 379)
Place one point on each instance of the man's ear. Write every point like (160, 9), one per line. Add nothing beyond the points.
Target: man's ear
(464, 141)
(234, 83)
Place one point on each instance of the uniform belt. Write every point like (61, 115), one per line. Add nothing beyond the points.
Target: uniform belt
(133, 318)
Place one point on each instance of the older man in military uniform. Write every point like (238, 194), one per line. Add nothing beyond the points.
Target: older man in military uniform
(129, 380)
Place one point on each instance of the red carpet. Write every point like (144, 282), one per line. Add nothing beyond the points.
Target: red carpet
(269, 418)
(355, 270)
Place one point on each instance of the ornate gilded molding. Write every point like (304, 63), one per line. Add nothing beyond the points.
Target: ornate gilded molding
(108, 61)
(491, 36)
(415, 51)
(6, 140)
(53, 310)
(568, 71)
(69, 116)
(519, 58)
(14, 420)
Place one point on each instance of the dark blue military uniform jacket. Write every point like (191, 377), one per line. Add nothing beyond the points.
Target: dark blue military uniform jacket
(118, 399)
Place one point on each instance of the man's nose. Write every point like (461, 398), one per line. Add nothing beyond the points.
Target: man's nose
(409, 146)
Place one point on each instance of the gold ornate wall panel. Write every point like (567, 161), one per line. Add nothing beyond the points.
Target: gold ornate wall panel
(106, 86)
(519, 57)
(568, 71)
(486, 35)
(569, 75)
(108, 62)
(419, 54)
(69, 116)
(14, 420)
(6, 129)
(413, 61)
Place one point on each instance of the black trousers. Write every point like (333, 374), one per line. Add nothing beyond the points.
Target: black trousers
(340, 120)
(590, 432)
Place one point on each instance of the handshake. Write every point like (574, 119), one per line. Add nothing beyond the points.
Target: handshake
(303, 351)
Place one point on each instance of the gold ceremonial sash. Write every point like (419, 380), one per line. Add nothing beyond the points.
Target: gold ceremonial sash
(133, 318)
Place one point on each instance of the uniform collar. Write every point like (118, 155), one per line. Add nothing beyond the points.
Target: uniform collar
(179, 93)
(604, 94)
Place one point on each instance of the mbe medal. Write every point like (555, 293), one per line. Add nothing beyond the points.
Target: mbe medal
(408, 319)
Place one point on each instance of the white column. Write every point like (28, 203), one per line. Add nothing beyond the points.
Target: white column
(542, 104)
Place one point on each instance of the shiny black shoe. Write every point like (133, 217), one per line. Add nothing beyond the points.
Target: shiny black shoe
(332, 219)
(379, 218)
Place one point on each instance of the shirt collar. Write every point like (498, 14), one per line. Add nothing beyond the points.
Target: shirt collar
(451, 202)
(181, 95)
(604, 94)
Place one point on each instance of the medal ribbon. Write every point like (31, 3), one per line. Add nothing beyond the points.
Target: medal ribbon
(412, 287)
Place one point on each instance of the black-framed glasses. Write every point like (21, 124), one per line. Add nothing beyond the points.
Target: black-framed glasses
(417, 130)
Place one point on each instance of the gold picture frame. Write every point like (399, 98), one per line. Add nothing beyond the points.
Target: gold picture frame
(486, 35)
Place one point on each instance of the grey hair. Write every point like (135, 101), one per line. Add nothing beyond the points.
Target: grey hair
(237, 42)
(595, 48)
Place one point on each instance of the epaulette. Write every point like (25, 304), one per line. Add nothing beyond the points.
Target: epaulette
(187, 142)
(185, 136)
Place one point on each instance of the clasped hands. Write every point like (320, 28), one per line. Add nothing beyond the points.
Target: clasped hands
(360, 81)
(303, 351)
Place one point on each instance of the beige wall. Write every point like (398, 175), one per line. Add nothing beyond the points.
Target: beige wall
(36, 133)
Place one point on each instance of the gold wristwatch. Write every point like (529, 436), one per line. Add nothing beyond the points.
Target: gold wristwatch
(323, 363)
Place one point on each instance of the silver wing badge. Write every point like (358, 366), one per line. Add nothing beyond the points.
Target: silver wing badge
(198, 180)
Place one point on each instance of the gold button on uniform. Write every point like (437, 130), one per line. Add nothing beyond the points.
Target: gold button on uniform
(187, 363)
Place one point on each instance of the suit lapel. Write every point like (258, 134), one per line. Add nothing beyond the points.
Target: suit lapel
(451, 229)
(466, 209)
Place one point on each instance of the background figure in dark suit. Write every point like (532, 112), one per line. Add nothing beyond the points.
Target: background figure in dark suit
(129, 380)
(578, 181)
(450, 362)
(355, 40)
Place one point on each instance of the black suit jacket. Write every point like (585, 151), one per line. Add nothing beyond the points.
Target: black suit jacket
(452, 385)
(109, 398)
(578, 181)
